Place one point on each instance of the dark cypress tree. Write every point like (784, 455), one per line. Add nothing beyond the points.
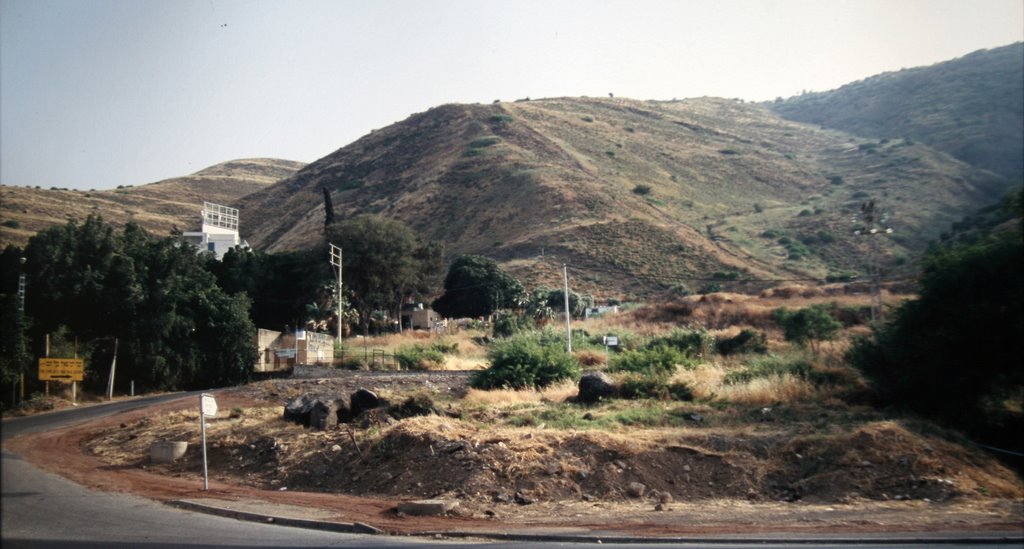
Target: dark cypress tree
(328, 209)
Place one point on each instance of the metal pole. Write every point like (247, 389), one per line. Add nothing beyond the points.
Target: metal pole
(202, 423)
(336, 261)
(113, 366)
(568, 328)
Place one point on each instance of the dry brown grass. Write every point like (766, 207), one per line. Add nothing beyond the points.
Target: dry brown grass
(764, 391)
(558, 392)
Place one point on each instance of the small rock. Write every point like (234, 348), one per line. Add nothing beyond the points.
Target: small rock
(523, 499)
(336, 448)
(686, 468)
(659, 507)
(665, 497)
(635, 489)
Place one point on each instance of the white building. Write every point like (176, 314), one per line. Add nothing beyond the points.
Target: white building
(219, 232)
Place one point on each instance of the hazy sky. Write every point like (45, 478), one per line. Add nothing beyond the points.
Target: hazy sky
(100, 93)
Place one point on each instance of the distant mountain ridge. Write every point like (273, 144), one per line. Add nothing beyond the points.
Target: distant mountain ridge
(639, 197)
(157, 207)
(971, 107)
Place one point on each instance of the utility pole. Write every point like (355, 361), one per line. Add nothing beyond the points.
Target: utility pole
(21, 311)
(873, 231)
(568, 329)
(336, 262)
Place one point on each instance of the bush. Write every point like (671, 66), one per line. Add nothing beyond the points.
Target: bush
(484, 142)
(635, 387)
(510, 324)
(807, 326)
(747, 341)
(418, 357)
(659, 361)
(527, 360)
(692, 343)
(642, 189)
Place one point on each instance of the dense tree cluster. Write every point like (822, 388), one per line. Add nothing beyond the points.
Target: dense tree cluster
(174, 327)
(476, 287)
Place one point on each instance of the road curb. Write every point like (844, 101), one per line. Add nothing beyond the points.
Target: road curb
(362, 528)
(342, 527)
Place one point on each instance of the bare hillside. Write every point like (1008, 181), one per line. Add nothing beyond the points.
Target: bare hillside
(638, 196)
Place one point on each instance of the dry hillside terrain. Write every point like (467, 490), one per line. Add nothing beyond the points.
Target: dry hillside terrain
(157, 207)
(638, 196)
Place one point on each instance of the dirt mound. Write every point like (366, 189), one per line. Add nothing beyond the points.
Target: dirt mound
(433, 456)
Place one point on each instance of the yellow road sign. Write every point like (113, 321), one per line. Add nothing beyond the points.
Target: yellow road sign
(61, 369)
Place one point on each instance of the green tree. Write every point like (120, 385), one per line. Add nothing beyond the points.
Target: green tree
(475, 286)
(384, 264)
(954, 353)
(547, 303)
(807, 326)
(174, 326)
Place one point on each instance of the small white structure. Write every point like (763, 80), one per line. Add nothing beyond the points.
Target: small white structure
(219, 231)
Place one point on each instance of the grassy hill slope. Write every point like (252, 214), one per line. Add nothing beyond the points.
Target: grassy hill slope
(157, 207)
(971, 107)
(638, 197)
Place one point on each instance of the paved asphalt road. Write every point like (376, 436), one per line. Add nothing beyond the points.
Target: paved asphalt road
(42, 510)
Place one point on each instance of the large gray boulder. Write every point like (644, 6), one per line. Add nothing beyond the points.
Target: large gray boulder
(324, 414)
(298, 410)
(595, 386)
(363, 400)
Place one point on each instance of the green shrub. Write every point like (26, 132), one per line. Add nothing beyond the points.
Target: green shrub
(533, 359)
(642, 189)
(418, 357)
(484, 142)
(659, 361)
(446, 347)
(692, 343)
(747, 341)
(500, 119)
(807, 326)
(11, 223)
(510, 324)
(636, 387)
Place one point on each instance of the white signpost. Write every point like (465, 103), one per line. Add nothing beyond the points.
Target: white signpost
(207, 408)
(609, 341)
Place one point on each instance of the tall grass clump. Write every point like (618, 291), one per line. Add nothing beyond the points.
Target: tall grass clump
(771, 366)
(529, 359)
